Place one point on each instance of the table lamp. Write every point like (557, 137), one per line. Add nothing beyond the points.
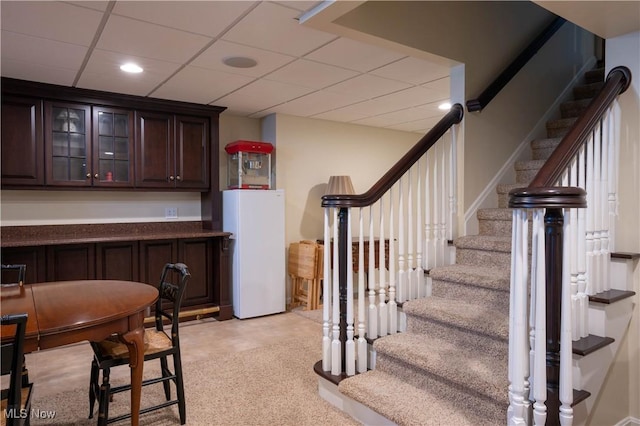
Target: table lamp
(340, 185)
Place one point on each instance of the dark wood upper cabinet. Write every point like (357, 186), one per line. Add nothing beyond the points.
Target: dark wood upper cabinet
(171, 151)
(77, 138)
(192, 152)
(22, 141)
(67, 129)
(113, 153)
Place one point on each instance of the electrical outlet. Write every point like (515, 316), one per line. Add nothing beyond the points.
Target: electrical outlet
(171, 213)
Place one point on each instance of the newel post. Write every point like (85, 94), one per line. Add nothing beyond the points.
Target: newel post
(554, 200)
(343, 270)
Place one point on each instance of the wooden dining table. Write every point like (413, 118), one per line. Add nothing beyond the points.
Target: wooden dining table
(65, 312)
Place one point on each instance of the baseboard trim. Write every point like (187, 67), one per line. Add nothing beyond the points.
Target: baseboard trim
(365, 415)
(629, 421)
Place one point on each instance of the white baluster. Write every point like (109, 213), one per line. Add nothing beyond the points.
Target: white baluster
(591, 285)
(336, 347)
(597, 216)
(326, 293)
(402, 278)
(362, 342)
(452, 184)
(383, 320)
(566, 373)
(573, 261)
(372, 329)
(419, 271)
(443, 207)
(519, 355)
(436, 209)
(539, 363)
(393, 306)
(428, 252)
(411, 284)
(604, 204)
(350, 349)
(582, 251)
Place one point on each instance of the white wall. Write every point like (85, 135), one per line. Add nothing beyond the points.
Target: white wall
(309, 151)
(621, 392)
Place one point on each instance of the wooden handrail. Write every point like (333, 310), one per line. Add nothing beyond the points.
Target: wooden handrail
(512, 69)
(617, 82)
(454, 116)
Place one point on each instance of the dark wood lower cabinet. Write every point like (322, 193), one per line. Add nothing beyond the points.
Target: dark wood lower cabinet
(71, 262)
(33, 257)
(117, 261)
(207, 259)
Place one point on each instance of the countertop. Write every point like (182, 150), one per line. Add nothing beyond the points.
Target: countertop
(25, 236)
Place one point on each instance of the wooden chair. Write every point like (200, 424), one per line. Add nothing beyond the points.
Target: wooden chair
(303, 269)
(13, 274)
(16, 399)
(158, 345)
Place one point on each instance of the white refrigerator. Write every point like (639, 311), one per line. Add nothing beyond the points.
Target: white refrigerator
(256, 219)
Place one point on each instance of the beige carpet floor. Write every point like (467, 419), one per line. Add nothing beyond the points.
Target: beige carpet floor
(271, 385)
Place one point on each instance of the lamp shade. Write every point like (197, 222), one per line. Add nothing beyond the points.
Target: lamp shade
(340, 185)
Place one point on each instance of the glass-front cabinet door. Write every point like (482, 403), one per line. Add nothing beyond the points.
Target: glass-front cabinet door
(88, 146)
(112, 147)
(68, 144)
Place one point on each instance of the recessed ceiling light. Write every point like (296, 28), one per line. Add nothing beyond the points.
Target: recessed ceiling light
(445, 106)
(239, 62)
(131, 67)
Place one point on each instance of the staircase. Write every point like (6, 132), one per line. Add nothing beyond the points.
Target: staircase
(450, 366)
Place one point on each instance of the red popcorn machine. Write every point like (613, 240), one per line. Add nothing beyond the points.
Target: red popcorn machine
(248, 165)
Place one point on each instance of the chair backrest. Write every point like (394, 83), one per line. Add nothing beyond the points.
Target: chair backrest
(171, 292)
(13, 274)
(12, 358)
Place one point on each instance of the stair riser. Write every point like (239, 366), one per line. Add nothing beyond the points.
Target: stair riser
(465, 338)
(470, 293)
(526, 176)
(587, 91)
(542, 154)
(483, 258)
(427, 379)
(495, 227)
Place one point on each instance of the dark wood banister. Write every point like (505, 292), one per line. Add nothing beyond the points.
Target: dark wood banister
(542, 193)
(512, 69)
(617, 82)
(454, 116)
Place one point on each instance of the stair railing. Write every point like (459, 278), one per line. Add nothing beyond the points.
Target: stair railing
(573, 201)
(415, 198)
(512, 69)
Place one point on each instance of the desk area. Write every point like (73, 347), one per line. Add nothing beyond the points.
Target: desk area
(67, 312)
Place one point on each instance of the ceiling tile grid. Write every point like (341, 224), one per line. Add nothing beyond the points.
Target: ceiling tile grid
(181, 45)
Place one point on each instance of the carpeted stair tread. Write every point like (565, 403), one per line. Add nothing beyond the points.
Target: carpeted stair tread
(435, 404)
(595, 75)
(420, 354)
(574, 108)
(473, 318)
(477, 276)
(484, 242)
(545, 143)
(588, 90)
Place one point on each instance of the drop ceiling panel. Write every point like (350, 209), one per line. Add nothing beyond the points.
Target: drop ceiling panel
(208, 18)
(260, 95)
(412, 70)
(354, 55)
(311, 104)
(274, 27)
(149, 40)
(35, 72)
(42, 52)
(420, 126)
(267, 61)
(367, 86)
(403, 116)
(200, 85)
(103, 73)
(310, 74)
(51, 20)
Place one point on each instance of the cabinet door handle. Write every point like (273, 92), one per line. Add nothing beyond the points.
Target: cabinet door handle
(88, 175)
(95, 176)
(171, 178)
(178, 177)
